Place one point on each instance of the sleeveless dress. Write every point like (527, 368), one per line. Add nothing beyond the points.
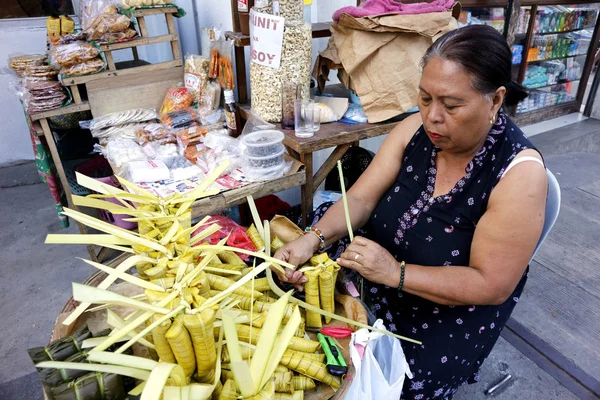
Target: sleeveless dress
(418, 228)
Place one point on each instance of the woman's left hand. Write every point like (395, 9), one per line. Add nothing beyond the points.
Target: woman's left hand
(372, 261)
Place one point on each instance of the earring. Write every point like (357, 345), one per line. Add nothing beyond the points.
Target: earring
(492, 120)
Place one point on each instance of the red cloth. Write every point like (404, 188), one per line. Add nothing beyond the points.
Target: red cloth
(267, 207)
(379, 7)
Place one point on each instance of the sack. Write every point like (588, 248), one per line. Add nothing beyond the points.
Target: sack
(380, 373)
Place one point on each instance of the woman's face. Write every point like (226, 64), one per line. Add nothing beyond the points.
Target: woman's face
(455, 116)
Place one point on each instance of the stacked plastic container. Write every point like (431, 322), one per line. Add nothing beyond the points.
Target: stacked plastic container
(263, 154)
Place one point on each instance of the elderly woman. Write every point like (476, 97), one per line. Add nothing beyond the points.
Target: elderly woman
(454, 202)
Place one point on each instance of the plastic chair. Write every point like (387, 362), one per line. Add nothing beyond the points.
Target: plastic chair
(552, 209)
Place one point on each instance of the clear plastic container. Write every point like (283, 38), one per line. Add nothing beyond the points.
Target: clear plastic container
(263, 143)
(270, 161)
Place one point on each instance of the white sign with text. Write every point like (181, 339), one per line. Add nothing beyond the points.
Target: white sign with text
(266, 39)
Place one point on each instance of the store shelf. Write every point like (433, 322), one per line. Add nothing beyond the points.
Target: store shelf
(70, 109)
(144, 41)
(558, 33)
(545, 113)
(556, 84)
(319, 30)
(556, 58)
(145, 12)
(122, 69)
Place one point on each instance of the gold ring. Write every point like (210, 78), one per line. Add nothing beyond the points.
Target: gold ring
(356, 256)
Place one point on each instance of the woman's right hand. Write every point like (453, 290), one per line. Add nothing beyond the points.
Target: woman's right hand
(296, 253)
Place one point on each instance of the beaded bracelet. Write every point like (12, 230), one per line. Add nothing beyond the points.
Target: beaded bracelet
(402, 270)
(319, 234)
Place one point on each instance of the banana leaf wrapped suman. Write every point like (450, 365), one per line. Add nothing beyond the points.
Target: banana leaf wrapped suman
(92, 386)
(60, 349)
(54, 377)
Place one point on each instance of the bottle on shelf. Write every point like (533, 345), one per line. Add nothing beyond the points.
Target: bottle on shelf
(232, 116)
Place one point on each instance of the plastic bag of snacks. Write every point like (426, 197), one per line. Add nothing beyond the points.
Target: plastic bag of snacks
(220, 66)
(179, 118)
(105, 25)
(211, 98)
(90, 9)
(43, 96)
(151, 133)
(18, 63)
(177, 98)
(67, 55)
(92, 66)
(196, 75)
(120, 118)
(140, 3)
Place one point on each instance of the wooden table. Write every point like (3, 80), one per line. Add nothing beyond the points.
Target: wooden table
(336, 134)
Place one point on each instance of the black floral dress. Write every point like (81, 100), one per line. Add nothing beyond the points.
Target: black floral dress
(421, 229)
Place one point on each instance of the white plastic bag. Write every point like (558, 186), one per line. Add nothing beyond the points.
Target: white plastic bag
(380, 373)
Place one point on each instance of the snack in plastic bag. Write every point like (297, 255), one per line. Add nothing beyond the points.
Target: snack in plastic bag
(88, 67)
(196, 75)
(226, 78)
(126, 131)
(192, 134)
(120, 152)
(179, 118)
(90, 9)
(126, 35)
(177, 98)
(44, 96)
(20, 63)
(193, 152)
(140, 3)
(120, 118)
(147, 171)
(181, 168)
(211, 98)
(151, 133)
(73, 37)
(43, 72)
(106, 24)
(74, 53)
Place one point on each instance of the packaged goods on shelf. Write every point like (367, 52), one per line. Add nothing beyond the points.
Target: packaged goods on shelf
(140, 3)
(88, 67)
(151, 133)
(177, 98)
(19, 63)
(121, 118)
(147, 171)
(74, 53)
(179, 118)
(196, 75)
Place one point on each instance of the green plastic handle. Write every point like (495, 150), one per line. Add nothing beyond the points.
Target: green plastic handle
(335, 359)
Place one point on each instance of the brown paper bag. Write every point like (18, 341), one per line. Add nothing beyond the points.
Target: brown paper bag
(379, 58)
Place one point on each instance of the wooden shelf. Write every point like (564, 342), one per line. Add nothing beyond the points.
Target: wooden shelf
(121, 72)
(145, 12)
(144, 41)
(70, 109)
(319, 30)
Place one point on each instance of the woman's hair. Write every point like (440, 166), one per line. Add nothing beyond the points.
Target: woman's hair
(484, 53)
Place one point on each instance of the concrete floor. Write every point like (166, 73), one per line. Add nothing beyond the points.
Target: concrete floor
(35, 279)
